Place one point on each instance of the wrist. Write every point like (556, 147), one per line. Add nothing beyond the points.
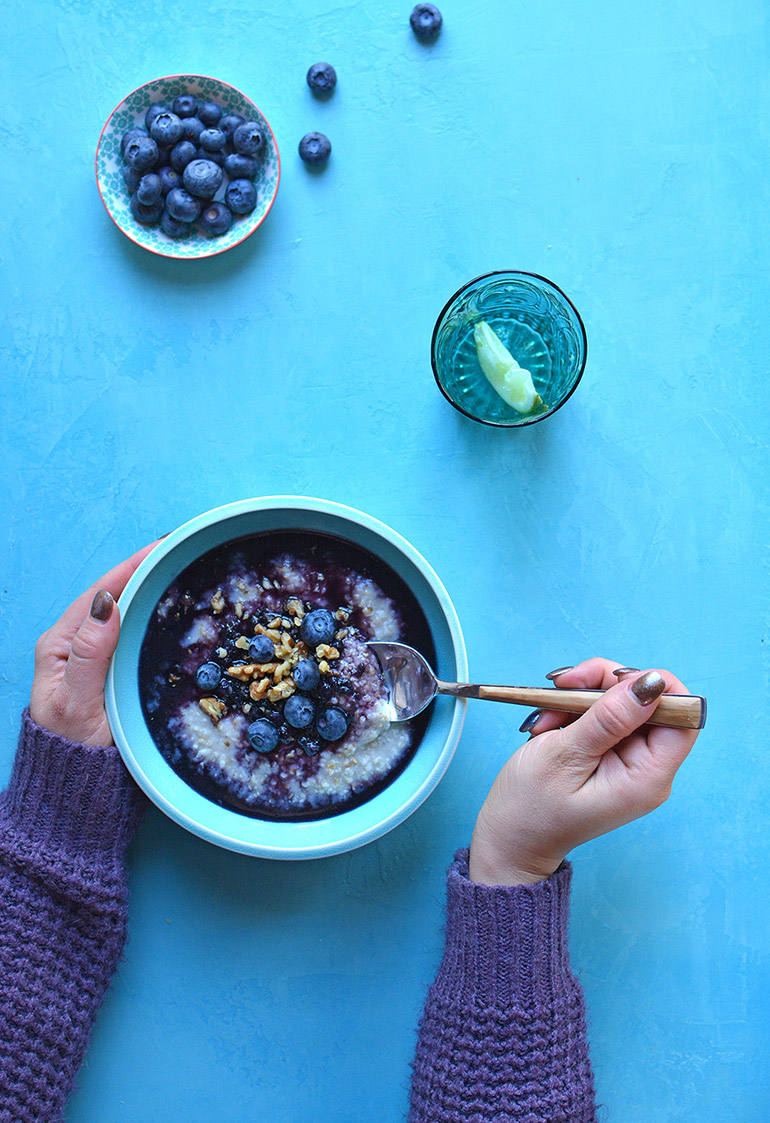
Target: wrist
(490, 863)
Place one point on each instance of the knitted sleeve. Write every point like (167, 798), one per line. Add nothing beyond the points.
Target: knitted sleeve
(66, 819)
(503, 1034)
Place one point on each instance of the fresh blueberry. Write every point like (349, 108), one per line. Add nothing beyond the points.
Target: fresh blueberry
(185, 105)
(173, 227)
(141, 153)
(215, 157)
(209, 113)
(426, 21)
(192, 127)
(241, 196)
(261, 648)
(299, 711)
(182, 206)
(248, 138)
(241, 167)
(203, 178)
(181, 155)
(128, 135)
(230, 122)
(263, 736)
(213, 140)
(208, 676)
(322, 78)
(153, 112)
(306, 675)
(132, 178)
(149, 189)
(215, 218)
(317, 627)
(147, 215)
(315, 148)
(169, 177)
(332, 723)
(166, 129)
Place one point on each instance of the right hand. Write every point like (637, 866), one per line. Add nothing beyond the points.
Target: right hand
(577, 778)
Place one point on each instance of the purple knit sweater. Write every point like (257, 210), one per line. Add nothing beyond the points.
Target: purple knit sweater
(503, 1033)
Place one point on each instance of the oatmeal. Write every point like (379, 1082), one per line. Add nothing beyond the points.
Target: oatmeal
(256, 681)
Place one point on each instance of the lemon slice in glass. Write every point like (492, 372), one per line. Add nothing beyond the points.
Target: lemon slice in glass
(512, 382)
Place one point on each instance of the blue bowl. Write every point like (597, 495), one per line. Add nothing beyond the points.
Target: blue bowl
(220, 825)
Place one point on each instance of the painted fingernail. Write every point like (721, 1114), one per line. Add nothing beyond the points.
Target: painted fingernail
(102, 606)
(559, 671)
(529, 721)
(625, 671)
(649, 687)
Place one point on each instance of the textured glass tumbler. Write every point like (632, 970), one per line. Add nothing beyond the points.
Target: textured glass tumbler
(538, 325)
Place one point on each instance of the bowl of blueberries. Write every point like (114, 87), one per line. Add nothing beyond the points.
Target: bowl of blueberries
(187, 166)
(244, 696)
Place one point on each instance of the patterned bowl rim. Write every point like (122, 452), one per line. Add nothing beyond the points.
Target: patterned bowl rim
(214, 250)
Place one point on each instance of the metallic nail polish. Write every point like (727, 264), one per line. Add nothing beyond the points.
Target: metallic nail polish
(559, 671)
(625, 671)
(649, 687)
(529, 721)
(102, 606)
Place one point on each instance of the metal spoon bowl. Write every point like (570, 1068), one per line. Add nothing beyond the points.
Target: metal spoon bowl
(412, 685)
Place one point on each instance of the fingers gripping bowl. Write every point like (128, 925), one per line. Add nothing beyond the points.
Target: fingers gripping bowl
(263, 573)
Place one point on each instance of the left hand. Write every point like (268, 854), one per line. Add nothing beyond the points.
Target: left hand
(72, 658)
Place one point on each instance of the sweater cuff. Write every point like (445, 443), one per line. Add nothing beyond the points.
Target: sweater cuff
(506, 943)
(70, 798)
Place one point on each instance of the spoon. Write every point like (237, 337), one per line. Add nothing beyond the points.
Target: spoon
(411, 685)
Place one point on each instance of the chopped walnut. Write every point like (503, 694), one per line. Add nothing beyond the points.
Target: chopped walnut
(281, 691)
(323, 667)
(218, 602)
(296, 608)
(258, 690)
(222, 652)
(242, 643)
(281, 670)
(213, 707)
(342, 614)
(238, 609)
(243, 672)
(324, 651)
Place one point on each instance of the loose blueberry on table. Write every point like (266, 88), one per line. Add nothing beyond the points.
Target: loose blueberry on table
(425, 21)
(322, 78)
(315, 148)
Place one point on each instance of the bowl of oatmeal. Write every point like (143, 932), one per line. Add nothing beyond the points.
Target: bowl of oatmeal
(243, 696)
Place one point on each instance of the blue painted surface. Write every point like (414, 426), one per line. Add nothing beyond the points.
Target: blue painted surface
(621, 151)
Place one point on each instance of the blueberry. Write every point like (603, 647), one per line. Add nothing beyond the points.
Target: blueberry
(132, 178)
(215, 219)
(230, 122)
(153, 112)
(248, 138)
(147, 215)
(332, 723)
(315, 148)
(209, 113)
(426, 21)
(322, 78)
(181, 155)
(192, 127)
(241, 167)
(185, 105)
(208, 676)
(141, 153)
(129, 135)
(182, 206)
(212, 140)
(317, 627)
(263, 736)
(166, 128)
(149, 189)
(306, 675)
(241, 196)
(202, 178)
(299, 711)
(261, 648)
(169, 177)
(173, 227)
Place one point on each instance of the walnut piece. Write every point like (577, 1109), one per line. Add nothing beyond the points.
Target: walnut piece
(213, 707)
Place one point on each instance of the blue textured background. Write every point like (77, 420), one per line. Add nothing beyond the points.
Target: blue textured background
(621, 151)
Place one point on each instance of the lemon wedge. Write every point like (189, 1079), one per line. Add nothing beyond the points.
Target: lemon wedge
(512, 382)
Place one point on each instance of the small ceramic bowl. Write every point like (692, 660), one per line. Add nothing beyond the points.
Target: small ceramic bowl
(225, 826)
(115, 194)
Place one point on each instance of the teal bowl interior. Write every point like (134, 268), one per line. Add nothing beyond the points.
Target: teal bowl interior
(270, 839)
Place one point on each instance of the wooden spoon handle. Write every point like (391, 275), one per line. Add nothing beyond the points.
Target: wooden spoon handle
(676, 711)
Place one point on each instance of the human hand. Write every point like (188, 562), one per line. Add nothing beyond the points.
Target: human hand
(577, 778)
(72, 657)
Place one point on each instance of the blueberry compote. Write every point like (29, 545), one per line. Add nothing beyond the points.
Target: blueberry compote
(257, 684)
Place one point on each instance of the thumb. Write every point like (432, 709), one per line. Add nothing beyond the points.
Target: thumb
(616, 715)
(93, 645)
